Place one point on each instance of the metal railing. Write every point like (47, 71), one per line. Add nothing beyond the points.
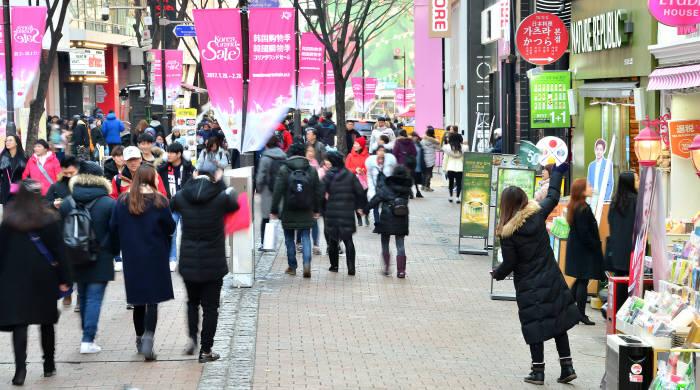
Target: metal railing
(101, 26)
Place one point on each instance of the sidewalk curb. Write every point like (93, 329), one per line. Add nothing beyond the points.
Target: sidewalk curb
(237, 331)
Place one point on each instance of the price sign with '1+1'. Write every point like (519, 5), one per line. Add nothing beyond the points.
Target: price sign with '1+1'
(549, 100)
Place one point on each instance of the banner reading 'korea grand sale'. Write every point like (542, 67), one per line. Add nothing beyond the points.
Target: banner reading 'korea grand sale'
(329, 93)
(310, 71)
(173, 76)
(271, 90)
(219, 35)
(363, 103)
(27, 35)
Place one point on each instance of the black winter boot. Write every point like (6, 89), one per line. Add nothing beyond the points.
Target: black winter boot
(567, 371)
(536, 376)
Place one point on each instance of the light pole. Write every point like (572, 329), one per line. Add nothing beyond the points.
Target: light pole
(11, 129)
(402, 57)
(359, 41)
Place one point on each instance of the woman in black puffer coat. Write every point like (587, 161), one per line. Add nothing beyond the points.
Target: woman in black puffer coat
(545, 305)
(392, 191)
(345, 196)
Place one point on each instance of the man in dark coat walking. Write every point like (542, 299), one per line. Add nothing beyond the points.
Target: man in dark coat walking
(59, 190)
(90, 189)
(296, 216)
(203, 202)
(345, 196)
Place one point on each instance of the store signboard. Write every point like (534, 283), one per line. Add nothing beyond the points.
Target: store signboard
(549, 100)
(523, 178)
(87, 62)
(682, 134)
(675, 13)
(542, 38)
(476, 195)
(600, 32)
(439, 19)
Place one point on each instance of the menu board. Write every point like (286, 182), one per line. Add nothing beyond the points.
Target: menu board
(476, 194)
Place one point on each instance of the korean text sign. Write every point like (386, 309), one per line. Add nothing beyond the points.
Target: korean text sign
(549, 100)
(542, 38)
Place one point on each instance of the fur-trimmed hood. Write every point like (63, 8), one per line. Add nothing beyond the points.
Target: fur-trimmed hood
(519, 219)
(84, 180)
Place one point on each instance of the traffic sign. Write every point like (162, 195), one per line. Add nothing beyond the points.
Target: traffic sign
(542, 38)
(185, 31)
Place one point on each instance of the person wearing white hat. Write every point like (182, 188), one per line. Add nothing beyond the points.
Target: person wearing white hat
(122, 182)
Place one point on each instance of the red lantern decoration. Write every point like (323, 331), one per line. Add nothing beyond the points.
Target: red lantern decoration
(647, 147)
(695, 154)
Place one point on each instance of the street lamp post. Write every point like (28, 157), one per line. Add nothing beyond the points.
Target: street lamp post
(11, 129)
(403, 57)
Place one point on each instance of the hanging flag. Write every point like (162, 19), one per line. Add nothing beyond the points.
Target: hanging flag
(173, 75)
(329, 93)
(400, 101)
(219, 35)
(356, 84)
(27, 35)
(156, 78)
(310, 71)
(272, 64)
(410, 96)
(362, 104)
(3, 89)
(370, 89)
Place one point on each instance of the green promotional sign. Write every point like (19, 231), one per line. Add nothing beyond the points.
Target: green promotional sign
(549, 100)
(523, 178)
(476, 195)
(529, 154)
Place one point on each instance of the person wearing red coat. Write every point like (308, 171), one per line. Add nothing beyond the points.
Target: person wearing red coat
(355, 163)
(43, 166)
(284, 136)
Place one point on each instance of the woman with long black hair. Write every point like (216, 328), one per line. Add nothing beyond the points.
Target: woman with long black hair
(453, 164)
(545, 305)
(145, 225)
(584, 254)
(32, 271)
(621, 219)
(12, 164)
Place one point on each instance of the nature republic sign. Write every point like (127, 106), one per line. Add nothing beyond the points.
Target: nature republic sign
(599, 32)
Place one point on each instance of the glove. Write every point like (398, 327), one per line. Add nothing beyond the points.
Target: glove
(563, 168)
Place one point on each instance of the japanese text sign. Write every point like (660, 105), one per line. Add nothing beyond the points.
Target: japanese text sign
(542, 38)
(549, 100)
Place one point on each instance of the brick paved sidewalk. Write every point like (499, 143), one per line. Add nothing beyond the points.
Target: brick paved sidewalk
(437, 329)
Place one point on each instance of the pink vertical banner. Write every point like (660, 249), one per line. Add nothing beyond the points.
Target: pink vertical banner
(173, 75)
(156, 78)
(370, 88)
(400, 101)
(370, 91)
(356, 84)
(27, 35)
(428, 62)
(219, 35)
(3, 88)
(410, 96)
(310, 71)
(329, 93)
(272, 64)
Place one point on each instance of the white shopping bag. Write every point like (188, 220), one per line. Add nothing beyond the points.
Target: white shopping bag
(270, 235)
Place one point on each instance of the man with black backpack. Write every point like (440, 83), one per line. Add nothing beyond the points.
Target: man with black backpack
(272, 159)
(90, 247)
(297, 184)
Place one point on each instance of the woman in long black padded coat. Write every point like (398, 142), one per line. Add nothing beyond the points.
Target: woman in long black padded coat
(545, 305)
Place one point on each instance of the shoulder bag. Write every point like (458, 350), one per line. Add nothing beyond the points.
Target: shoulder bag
(49, 257)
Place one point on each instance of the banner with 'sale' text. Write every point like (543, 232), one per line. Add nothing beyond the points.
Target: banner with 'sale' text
(219, 35)
(173, 76)
(271, 91)
(363, 103)
(329, 93)
(310, 71)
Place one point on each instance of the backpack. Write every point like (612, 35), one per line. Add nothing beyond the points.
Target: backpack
(280, 137)
(79, 237)
(399, 207)
(299, 191)
(272, 172)
(410, 161)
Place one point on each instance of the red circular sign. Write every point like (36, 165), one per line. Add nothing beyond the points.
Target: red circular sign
(542, 38)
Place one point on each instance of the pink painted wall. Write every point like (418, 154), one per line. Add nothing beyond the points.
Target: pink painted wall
(428, 62)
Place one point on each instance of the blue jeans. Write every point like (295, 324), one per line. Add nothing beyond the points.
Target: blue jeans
(91, 295)
(291, 248)
(173, 247)
(314, 233)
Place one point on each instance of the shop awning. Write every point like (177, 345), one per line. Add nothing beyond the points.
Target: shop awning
(679, 77)
(621, 89)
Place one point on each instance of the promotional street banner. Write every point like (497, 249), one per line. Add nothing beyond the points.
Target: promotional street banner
(476, 195)
(173, 75)
(529, 155)
(356, 84)
(219, 35)
(362, 104)
(329, 94)
(271, 90)
(27, 35)
(410, 96)
(400, 101)
(310, 71)
(156, 78)
(370, 90)
(3, 88)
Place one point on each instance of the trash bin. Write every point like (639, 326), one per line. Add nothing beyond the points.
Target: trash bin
(629, 363)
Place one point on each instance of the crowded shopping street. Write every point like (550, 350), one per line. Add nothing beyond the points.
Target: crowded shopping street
(333, 194)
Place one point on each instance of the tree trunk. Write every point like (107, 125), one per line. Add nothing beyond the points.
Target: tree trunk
(36, 107)
(341, 143)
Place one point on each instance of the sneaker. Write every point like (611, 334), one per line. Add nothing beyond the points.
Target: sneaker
(307, 271)
(316, 250)
(428, 189)
(458, 200)
(191, 347)
(129, 306)
(290, 271)
(419, 195)
(68, 300)
(77, 308)
(89, 348)
(138, 344)
(118, 266)
(173, 266)
(299, 248)
(449, 199)
(208, 357)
